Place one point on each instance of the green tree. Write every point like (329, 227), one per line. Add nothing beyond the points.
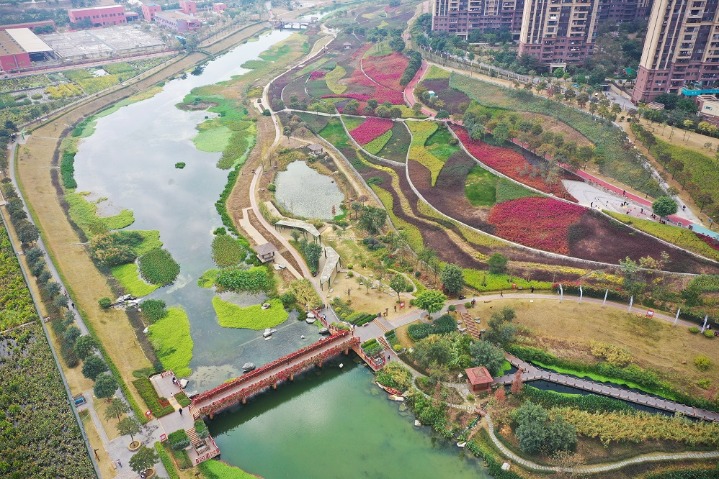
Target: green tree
(27, 232)
(537, 433)
(664, 206)
(105, 386)
(452, 279)
(430, 300)
(501, 133)
(93, 366)
(398, 283)
(115, 409)
(129, 427)
(104, 303)
(85, 346)
(372, 219)
(488, 355)
(501, 331)
(497, 263)
(143, 459)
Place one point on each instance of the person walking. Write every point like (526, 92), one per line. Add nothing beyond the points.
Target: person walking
(180, 411)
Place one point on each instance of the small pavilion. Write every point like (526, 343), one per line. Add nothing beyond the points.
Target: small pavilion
(479, 379)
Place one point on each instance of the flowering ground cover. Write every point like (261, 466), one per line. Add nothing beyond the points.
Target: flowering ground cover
(397, 145)
(378, 143)
(332, 79)
(541, 223)
(421, 131)
(317, 74)
(370, 129)
(386, 70)
(510, 163)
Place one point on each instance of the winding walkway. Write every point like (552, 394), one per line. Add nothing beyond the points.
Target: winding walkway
(595, 468)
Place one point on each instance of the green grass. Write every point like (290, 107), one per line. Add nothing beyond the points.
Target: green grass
(335, 134)
(207, 280)
(378, 143)
(439, 144)
(170, 336)
(129, 278)
(214, 469)
(702, 169)
(166, 461)
(436, 73)
(509, 190)
(485, 281)
(421, 132)
(378, 50)
(615, 161)
(227, 251)
(397, 146)
(84, 214)
(212, 138)
(251, 317)
(414, 236)
(150, 241)
(332, 80)
(481, 187)
(679, 236)
(352, 122)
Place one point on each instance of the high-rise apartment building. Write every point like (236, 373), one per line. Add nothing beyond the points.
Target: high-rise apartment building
(459, 17)
(559, 32)
(681, 48)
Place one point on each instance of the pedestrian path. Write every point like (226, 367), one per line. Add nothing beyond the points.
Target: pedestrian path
(532, 373)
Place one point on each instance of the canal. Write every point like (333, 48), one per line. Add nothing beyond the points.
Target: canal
(331, 423)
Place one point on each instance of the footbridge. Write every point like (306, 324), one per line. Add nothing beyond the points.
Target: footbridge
(270, 375)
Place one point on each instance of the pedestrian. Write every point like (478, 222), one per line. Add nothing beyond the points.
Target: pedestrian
(531, 289)
(501, 294)
(96, 456)
(641, 210)
(180, 411)
(119, 464)
(395, 308)
(624, 192)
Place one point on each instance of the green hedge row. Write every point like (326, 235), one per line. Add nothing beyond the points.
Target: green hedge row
(149, 395)
(588, 402)
(67, 170)
(166, 461)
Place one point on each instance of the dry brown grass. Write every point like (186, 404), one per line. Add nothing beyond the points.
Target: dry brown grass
(105, 464)
(555, 126)
(567, 328)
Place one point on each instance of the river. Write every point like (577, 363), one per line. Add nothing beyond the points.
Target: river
(327, 424)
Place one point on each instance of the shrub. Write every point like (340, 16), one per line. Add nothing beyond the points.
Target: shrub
(158, 267)
(182, 399)
(255, 279)
(693, 329)
(709, 334)
(178, 440)
(153, 309)
(394, 375)
(702, 362)
(372, 347)
(157, 405)
(227, 251)
(201, 429)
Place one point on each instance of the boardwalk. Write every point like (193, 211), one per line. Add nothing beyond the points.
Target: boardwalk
(240, 389)
(531, 373)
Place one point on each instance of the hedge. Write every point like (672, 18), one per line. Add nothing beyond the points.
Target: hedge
(149, 395)
(178, 440)
(166, 461)
(585, 402)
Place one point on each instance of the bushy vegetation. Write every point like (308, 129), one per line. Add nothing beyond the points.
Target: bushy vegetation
(538, 432)
(227, 251)
(16, 305)
(214, 469)
(171, 339)
(584, 402)
(251, 317)
(394, 375)
(442, 325)
(372, 347)
(159, 406)
(67, 169)
(31, 444)
(158, 267)
(253, 280)
(153, 310)
(415, 62)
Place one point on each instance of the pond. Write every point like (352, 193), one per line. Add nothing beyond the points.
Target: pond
(335, 423)
(306, 193)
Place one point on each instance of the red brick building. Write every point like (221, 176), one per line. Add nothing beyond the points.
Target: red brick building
(149, 10)
(98, 16)
(188, 7)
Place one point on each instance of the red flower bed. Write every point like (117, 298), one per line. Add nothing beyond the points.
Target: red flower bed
(508, 162)
(386, 70)
(541, 223)
(317, 74)
(380, 94)
(709, 240)
(371, 129)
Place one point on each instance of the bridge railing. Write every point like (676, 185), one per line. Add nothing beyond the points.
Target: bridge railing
(281, 375)
(246, 377)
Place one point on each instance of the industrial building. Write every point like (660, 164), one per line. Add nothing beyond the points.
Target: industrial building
(98, 16)
(681, 49)
(177, 21)
(19, 47)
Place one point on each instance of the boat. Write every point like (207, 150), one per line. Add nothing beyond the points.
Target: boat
(389, 390)
(461, 444)
(310, 318)
(396, 398)
(324, 331)
(247, 367)
(268, 332)
(183, 383)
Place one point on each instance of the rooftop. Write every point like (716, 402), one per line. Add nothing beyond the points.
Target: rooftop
(8, 45)
(478, 376)
(266, 248)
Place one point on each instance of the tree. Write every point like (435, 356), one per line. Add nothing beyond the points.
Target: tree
(115, 409)
(93, 366)
(143, 459)
(517, 383)
(85, 346)
(497, 263)
(398, 283)
(501, 133)
(537, 433)
(501, 330)
(430, 300)
(105, 386)
(452, 279)
(488, 355)
(129, 426)
(287, 131)
(372, 219)
(427, 256)
(27, 232)
(664, 206)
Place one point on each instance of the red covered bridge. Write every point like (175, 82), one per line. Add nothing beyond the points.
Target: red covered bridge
(240, 389)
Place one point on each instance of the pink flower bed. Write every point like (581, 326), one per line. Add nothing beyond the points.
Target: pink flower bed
(371, 129)
(508, 162)
(386, 70)
(541, 223)
(317, 74)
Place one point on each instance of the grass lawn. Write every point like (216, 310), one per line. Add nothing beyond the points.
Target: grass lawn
(212, 138)
(378, 143)
(566, 329)
(128, 275)
(439, 144)
(214, 469)
(436, 73)
(481, 187)
(421, 132)
(335, 134)
(396, 146)
(352, 122)
(703, 169)
(252, 317)
(681, 237)
(485, 281)
(84, 214)
(170, 336)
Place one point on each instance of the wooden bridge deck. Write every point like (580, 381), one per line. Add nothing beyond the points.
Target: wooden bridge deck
(240, 389)
(532, 373)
